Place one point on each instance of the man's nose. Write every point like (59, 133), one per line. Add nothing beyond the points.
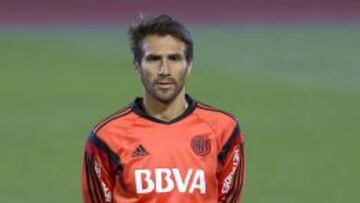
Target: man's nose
(164, 68)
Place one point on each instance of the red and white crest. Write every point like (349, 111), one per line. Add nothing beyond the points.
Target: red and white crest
(201, 145)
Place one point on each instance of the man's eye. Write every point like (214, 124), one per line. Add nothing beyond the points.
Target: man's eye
(153, 58)
(175, 57)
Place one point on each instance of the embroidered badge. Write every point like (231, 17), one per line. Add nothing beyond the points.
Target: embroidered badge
(201, 145)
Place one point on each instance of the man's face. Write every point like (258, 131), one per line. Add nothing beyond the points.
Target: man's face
(163, 68)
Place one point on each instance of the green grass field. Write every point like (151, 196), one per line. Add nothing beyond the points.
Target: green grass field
(295, 90)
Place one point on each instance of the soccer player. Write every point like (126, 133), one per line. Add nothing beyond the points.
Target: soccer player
(164, 146)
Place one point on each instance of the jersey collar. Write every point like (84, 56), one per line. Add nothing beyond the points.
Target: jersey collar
(138, 108)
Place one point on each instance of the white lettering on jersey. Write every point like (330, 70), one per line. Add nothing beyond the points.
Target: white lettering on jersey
(139, 181)
(198, 182)
(229, 178)
(159, 175)
(182, 185)
(97, 168)
(107, 192)
(166, 180)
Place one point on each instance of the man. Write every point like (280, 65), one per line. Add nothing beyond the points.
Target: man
(165, 146)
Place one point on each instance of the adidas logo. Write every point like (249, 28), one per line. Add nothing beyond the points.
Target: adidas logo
(139, 151)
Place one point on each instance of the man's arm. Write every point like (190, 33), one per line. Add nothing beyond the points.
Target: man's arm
(98, 169)
(231, 168)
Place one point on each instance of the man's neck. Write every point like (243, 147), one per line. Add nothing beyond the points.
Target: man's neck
(165, 111)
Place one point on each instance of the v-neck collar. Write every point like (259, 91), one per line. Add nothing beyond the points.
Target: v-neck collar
(138, 108)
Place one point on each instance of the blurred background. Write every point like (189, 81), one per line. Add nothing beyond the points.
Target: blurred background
(288, 69)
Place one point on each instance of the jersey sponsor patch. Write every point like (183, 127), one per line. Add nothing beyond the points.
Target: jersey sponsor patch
(201, 145)
(229, 178)
(107, 193)
(164, 180)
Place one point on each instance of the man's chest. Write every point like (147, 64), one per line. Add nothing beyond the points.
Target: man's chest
(165, 159)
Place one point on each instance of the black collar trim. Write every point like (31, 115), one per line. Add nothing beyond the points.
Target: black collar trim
(138, 108)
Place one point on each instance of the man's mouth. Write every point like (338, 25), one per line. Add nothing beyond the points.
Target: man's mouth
(165, 84)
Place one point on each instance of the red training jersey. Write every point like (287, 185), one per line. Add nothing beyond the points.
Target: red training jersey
(133, 157)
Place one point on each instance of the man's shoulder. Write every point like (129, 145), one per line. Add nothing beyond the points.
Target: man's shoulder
(118, 117)
(223, 123)
(215, 115)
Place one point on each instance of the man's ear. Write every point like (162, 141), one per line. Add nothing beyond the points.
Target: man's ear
(136, 66)
(189, 69)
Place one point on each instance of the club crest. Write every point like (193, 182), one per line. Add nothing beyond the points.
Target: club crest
(201, 145)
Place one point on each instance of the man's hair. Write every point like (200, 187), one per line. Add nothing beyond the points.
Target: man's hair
(159, 25)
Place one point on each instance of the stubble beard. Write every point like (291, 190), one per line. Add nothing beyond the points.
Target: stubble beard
(164, 97)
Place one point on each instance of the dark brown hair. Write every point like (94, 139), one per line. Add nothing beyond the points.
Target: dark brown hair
(159, 25)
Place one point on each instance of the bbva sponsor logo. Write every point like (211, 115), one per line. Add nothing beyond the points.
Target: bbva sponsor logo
(162, 180)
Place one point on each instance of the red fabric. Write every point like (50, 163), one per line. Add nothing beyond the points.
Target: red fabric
(161, 163)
